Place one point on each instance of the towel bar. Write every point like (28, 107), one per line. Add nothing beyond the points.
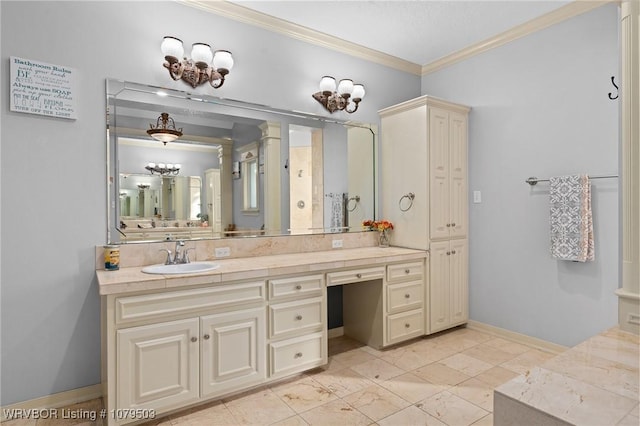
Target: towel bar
(534, 180)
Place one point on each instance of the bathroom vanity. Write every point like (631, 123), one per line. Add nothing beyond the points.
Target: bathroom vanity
(172, 341)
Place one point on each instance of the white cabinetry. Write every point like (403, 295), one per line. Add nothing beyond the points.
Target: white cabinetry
(425, 195)
(297, 318)
(179, 347)
(387, 311)
(449, 304)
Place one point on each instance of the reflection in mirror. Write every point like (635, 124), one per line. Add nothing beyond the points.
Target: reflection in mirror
(244, 169)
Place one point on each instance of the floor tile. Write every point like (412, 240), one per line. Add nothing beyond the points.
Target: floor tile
(337, 413)
(377, 369)
(405, 358)
(496, 376)
(303, 394)
(476, 392)
(342, 382)
(263, 407)
(376, 402)
(353, 357)
(489, 354)
(507, 346)
(409, 416)
(466, 364)
(451, 409)
(291, 421)
(485, 421)
(440, 374)
(211, 414)
(524, 362)
(411, 387)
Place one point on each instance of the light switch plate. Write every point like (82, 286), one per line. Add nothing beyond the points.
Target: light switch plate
(477, 197)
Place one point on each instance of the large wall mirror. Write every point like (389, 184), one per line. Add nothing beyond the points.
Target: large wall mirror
(235, 169)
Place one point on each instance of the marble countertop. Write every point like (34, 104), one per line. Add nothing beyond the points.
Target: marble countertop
(127, 280)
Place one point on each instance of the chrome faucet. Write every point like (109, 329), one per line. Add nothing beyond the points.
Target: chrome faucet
(180, 254)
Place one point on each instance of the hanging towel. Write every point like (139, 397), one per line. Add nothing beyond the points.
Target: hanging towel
(571, 218)
(337, 212)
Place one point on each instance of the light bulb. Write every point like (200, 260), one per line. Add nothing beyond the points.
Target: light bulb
(222, 60)
(358, 91)
(172, 46)
(345, 87)
(201, 52)
(327, 84)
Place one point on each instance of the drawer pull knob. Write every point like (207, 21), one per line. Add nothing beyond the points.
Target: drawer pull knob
(206, 337)
(358, 275)
(194, 339)
(407, 325)
(298, 287)
(298, 317)
(407, 296)
(298, 355)
(406, 271)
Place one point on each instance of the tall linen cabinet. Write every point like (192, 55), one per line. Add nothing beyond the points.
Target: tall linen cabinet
(424, 193)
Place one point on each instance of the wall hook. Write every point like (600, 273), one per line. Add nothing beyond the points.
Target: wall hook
(614, 85)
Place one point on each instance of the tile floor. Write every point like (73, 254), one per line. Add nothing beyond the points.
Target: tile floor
(444, 379)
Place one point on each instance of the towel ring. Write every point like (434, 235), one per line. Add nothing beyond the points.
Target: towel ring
(410, 196)
(355, 205)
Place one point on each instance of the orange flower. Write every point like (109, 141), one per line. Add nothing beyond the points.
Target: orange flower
(378, 225)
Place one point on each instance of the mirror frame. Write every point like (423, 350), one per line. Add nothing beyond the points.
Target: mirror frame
(115, 86)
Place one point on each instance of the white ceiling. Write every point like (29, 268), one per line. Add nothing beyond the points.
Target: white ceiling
(419, 31)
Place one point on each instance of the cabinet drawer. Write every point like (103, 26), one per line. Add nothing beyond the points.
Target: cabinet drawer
(404, 296)
(303, 315)
(405, 271)
(297, 354)
(297, 286)
(134, 308)
(404, 326)
(354, 276)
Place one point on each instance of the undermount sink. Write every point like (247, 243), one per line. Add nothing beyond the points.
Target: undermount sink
(182, 268)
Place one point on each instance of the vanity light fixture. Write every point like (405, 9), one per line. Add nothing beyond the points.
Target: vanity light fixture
(339, 100)
(163, 169)
(199, 69)
(165, 129)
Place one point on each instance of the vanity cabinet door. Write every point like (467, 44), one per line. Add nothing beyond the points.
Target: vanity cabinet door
(448, 285)
(233, 350)
(158, 365)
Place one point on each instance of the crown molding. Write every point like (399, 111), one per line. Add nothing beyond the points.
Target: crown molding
(252, 17)
(258, 19)
(565, 12)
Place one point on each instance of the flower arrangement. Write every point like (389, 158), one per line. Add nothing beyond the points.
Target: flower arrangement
(377, 225)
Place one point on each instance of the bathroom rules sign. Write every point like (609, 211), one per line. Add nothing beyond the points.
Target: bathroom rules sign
(41, 88)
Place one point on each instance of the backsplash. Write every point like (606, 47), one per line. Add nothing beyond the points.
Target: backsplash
(142, 254)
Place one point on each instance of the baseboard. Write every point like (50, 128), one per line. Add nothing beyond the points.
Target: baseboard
(517, 337)
(56, 400)
(335, 332)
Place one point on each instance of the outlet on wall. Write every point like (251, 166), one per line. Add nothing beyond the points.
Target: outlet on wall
(336, 243)
(223, 252)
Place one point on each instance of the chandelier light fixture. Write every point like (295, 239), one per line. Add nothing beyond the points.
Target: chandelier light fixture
(165, 129)
(203, 66)
(163, 169)
(339, 100)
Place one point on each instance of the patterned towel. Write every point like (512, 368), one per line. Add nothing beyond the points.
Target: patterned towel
(337, 212)
(571, 218)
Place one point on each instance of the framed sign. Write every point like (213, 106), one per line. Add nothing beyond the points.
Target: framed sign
(41, 88)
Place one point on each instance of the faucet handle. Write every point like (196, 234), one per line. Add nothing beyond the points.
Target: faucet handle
(185, 255)
(168, 261)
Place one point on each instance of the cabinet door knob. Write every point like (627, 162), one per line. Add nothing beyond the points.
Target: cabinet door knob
(194, 339)
(358, 275)
(407, 296)
(407, 325)
(448, 253)
(298, 317)
(448, 225)
(298, 355)
(453, 224)
(406, 271)
(298, 287)
(206, 337)
(453, 252)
